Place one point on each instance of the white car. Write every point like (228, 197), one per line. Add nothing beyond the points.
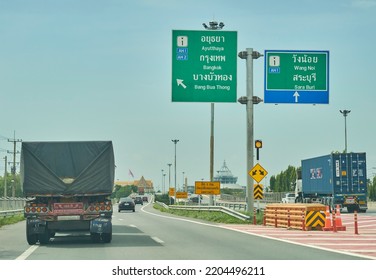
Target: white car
(289, 198)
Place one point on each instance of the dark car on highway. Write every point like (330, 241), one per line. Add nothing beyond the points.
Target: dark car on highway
(126, 203)
(138, 200)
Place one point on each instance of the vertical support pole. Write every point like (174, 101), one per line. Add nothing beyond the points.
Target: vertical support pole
(14, 167)
(250, 137)
(264, 218)
(5, 177)
(249, 55)
(175, 141)
(356, 222)
(288, 218)
(254, 216)
(212, 150)
(334, 221)
(275, 218)
(303, 220)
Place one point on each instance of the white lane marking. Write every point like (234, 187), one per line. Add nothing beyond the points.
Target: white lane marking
(156, 239)
(27, 253)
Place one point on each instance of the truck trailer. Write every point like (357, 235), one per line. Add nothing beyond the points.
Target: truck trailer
(68, 186)
(334, 179)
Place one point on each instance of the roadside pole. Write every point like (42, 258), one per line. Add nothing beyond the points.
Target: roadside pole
(249, 55)
(213, 25)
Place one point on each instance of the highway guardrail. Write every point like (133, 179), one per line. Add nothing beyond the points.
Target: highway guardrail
(10, 213)
(222, 209)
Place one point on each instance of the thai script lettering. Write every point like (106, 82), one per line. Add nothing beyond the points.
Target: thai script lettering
(212, 58)
(212, 77)
(305, 78)
(304, 58)
(212, 39)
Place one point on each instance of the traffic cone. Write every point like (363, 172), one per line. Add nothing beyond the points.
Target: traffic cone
(338, 222)
(328, 223)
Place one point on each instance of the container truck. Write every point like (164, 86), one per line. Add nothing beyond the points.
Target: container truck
(68, 185)
(334, 179)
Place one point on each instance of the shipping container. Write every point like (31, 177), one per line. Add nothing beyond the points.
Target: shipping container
(335, 179)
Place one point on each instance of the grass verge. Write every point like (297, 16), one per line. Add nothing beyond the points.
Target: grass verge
(11, 220)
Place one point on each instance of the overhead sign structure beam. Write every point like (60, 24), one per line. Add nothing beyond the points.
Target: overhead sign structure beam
(204, 66)
(296, 77)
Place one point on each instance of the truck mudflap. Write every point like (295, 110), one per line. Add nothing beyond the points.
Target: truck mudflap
(101, 229)
(101, 225)
(35, 226)
(36, 230)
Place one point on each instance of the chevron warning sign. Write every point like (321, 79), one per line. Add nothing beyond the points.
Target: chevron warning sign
(315, 219)
(258, 191)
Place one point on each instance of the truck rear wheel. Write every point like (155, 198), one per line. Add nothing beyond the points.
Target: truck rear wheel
(95, 237)
(31, 238)
(107, 237)
(44, 237)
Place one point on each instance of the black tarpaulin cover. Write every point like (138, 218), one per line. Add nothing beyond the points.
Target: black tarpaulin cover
(67, 168)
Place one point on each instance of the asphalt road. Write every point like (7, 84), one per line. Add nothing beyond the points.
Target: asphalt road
(148, 234)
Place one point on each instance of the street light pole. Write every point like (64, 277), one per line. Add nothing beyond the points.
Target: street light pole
(164, 180)
(163, 190)
(5, 177)
(169, 175)
(345, 113)
(175, 141)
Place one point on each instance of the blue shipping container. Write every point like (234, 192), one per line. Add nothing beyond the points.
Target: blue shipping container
(341, 176)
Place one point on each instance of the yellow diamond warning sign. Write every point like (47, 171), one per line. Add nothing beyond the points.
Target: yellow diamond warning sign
(258, 173)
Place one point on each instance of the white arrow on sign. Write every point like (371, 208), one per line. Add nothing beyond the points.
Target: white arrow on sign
(180, 83)
(296, 95)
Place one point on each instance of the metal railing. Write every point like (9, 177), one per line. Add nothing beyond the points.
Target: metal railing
(268, 197)
(10, 206)
(235, 206)
(222, 209)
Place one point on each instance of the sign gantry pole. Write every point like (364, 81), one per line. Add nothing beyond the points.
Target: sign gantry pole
(249, 55)
(213, 25)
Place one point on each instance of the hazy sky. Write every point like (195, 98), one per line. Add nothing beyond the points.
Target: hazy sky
(101, 70)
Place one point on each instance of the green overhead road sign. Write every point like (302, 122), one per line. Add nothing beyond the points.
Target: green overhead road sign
(204, 66)
(296, 77)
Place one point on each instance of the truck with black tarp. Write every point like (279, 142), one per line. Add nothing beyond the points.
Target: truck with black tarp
(334, 179)
(68, 186)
